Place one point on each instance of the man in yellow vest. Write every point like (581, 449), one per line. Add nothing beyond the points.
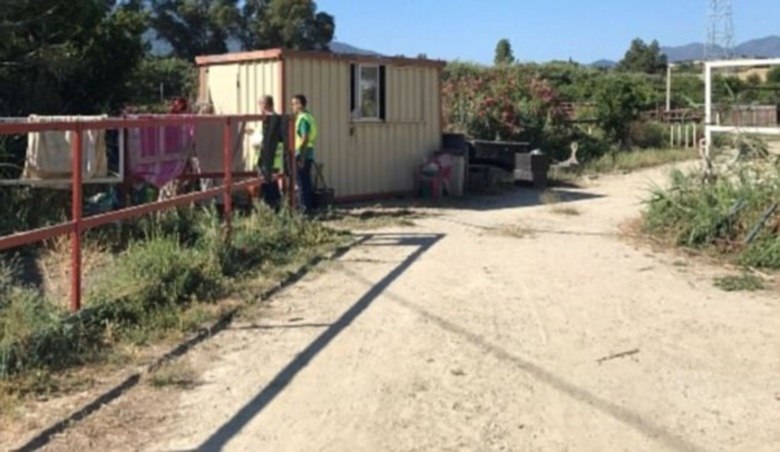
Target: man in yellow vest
(305, 139)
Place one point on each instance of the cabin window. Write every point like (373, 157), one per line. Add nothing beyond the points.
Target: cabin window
(367, 94)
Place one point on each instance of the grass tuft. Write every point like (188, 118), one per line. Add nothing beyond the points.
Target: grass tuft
(566, 211)
(741, 283)
(514, 231)
(177, 374)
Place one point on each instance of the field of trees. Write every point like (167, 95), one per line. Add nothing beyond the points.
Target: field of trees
(546, 104)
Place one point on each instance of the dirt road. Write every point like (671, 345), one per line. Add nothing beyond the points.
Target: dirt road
(502, 325)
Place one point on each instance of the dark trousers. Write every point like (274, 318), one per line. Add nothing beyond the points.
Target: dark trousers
(271, 195)
(305, 186)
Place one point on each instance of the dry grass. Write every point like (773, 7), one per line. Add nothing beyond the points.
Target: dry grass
(513, 230)
(177, 374)
(623, 162)
(371, 219)
(550, 197)
(10, 401)
(566, 211)
(55, 265)
(555, 199)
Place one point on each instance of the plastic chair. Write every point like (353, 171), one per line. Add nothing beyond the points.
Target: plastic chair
(439, 180)
(446, 163)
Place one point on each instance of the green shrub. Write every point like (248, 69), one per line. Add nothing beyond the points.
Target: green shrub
(265, 236)
(620, 99)
(173, 261)
(719, 214)
(557, 143)
(31, 208)
(35, 333)
(161, 271)
(763, 253)
(648, 135)
(591, 148)
(8, 275)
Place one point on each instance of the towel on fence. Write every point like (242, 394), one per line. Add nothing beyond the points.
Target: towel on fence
(209, 147)
(159, 155)
(49, 153)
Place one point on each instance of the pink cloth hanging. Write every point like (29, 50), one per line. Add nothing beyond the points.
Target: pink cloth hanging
(159, 155)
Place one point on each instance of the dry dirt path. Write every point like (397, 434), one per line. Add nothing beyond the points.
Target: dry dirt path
(500, 325)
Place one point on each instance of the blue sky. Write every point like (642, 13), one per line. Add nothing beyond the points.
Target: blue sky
(540, 30)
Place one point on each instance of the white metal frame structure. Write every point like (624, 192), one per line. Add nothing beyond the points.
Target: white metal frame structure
(711, 128)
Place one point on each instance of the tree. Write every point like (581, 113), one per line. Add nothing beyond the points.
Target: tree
(774, 75)
(620, 99)
(645, 58)
(167, 77)
(67, 57)
(196, 27)
(504, 54)
(291, 24)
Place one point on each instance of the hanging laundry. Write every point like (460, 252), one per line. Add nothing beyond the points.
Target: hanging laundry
(49, 153)
(159, 155)
(209, 147)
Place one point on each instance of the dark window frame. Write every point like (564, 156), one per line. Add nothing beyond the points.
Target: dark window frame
(355, 93)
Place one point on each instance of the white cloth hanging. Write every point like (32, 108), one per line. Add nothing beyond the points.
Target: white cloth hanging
(209, 147)
(49, 153)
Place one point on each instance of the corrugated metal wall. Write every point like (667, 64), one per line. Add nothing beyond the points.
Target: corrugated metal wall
(360, 158)
(236, 88)
(365, 158)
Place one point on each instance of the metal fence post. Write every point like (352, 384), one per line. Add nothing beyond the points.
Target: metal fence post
(291, 198)
(76, 213)
(227, 156)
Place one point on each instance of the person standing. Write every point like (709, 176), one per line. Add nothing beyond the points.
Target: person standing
(271, 146)
(305, 139)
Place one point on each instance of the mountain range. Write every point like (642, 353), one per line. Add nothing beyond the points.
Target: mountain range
(768, 47)
(160, 47)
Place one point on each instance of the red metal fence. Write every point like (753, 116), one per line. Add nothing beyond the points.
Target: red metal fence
(78, 225)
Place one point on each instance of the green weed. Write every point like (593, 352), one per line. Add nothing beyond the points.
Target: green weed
(719, 215)
(165, 275)
(742, 283)
(628, 161)
(176, 374)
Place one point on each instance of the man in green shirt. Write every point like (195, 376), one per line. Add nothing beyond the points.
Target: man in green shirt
(305, 139)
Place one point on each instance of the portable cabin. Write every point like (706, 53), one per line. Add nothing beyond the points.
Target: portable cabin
(378, 117)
